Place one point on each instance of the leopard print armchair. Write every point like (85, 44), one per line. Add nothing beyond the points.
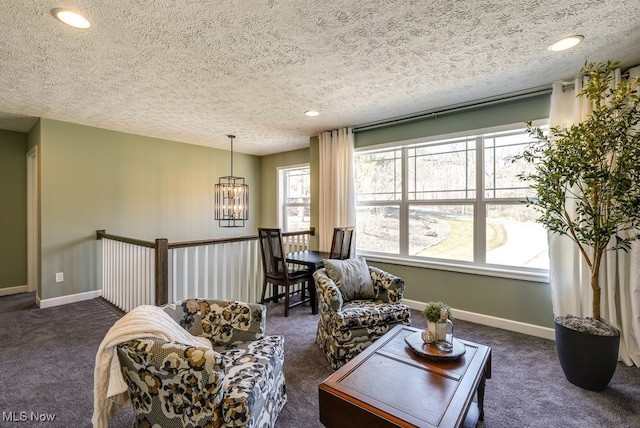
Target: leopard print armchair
(347, 327)
(238, 383)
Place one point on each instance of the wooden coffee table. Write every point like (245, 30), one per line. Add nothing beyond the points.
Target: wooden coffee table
(390, 385)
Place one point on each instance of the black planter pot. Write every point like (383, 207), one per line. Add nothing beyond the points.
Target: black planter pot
(588, 360)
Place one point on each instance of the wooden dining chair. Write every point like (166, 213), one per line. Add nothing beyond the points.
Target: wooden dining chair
(341, 242)
(278, 273)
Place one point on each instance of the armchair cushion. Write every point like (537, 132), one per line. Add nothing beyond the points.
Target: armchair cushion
(352, 277)
(368, 313)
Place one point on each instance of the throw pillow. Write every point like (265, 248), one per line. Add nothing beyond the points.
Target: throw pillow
(352, 278)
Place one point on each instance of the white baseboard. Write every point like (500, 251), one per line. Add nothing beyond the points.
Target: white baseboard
(491, 321)
(63, 300)
(13, 290)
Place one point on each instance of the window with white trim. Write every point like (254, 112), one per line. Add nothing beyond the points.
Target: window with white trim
(454, 201)
(295, 198)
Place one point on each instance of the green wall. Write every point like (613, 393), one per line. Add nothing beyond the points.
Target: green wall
(130, 185)
(13, 210)
(505, 113)
(524, 301)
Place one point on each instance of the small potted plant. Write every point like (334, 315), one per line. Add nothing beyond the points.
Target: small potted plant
(431, 313)
(592, 165)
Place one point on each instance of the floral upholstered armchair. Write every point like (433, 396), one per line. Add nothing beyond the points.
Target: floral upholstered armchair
(238, 383)
(357, 304)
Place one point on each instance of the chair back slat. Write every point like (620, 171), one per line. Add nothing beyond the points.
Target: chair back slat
(341, 242)
(272, 252)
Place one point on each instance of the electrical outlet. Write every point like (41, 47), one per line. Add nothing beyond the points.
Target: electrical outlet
(59, 276)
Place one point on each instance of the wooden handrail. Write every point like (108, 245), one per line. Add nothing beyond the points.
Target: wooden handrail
(103, 234)
(311, 232)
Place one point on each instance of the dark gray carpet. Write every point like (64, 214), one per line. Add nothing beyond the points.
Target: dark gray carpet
(47, 359)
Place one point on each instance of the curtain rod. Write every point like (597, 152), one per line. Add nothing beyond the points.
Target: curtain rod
(455, 108)
(571, 83)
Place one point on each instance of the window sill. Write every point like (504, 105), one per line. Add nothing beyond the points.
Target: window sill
(538, 275)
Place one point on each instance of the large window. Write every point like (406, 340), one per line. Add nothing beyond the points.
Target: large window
(454, 201)
(295, 198)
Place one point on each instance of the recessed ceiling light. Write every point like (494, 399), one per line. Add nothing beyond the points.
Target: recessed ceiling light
(565, 43)
(69, 17)
(311, 113)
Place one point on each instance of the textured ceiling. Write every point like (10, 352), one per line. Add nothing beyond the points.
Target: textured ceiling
(195, 70)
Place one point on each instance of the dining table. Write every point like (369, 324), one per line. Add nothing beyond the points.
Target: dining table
(313, 260)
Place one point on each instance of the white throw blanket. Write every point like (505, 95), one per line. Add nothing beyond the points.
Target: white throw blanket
(110, 388)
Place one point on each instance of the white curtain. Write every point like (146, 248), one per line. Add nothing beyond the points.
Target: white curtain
(620, 271)
(337, 188)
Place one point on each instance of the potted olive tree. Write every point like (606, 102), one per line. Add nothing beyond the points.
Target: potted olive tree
(587, 183)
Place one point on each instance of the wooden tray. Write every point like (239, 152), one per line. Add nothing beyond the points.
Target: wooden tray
(431, 351)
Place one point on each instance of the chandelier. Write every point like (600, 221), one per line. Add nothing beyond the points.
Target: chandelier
(231, 198)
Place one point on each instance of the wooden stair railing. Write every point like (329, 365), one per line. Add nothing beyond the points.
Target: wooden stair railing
(137, 272)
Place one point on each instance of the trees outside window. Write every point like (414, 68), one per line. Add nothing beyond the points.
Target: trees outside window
(456, 201)
(295, 198)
